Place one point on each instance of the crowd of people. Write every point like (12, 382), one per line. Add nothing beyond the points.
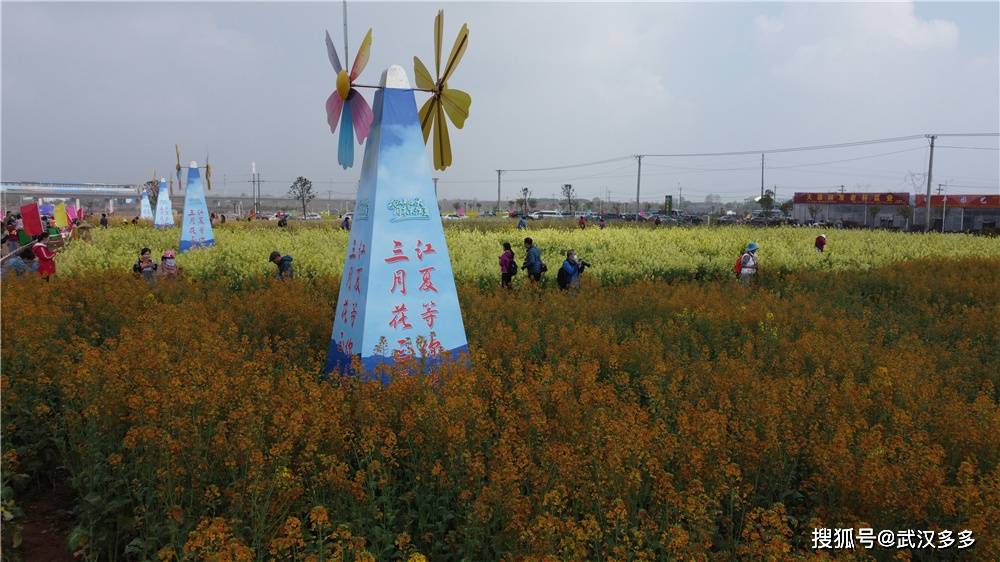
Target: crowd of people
(26, 254)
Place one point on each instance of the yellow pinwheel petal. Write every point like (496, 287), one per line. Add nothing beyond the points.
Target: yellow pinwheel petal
(364, 51)
(456, 103)
(461, 43)
(427, 117)
(442, 144)
(438, 32)
(422, 75)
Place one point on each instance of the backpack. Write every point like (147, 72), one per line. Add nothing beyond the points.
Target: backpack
(512, 270)
(562, 278)
(739, 265)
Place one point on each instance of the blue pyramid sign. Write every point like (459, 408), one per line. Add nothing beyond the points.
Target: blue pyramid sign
(196, 226)
(397, 298)
(164, 207)
(145, 211)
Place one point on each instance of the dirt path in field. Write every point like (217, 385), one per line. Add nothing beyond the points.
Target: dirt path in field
(47, 524)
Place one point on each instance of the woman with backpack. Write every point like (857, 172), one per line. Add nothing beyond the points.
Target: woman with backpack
(508, 266)
(746, 265)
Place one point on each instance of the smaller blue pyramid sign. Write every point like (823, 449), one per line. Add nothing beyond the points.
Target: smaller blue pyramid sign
(397, 298)
(145, 211)
(164, 207)
(196, 227)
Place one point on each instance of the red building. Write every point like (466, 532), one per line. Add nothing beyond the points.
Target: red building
(959, 213)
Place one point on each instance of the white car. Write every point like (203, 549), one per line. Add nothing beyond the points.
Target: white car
(312, 217)
(538, 215)
(453, 217)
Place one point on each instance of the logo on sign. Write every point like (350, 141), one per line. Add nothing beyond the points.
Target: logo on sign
(362, 211)
(407, 209)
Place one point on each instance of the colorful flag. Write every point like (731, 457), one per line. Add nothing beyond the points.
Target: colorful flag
(62, 221)
(32, 219)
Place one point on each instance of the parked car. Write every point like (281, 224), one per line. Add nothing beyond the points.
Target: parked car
(539, 215)
(312, 217)
(453, 217)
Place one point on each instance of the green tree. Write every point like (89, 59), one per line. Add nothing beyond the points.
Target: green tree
(568, 193)
(302, 190)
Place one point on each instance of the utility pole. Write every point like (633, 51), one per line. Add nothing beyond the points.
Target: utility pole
(680, 197)
(761, 175)
(329, 199)
(638, 180)
(498, 191)
(841, 188)
(944, 203)
(930, 170)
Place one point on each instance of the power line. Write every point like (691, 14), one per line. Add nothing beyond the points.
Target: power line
(790, 149)
(595, 163)
(969, 147)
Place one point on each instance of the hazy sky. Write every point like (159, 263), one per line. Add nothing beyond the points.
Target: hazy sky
(101, 92)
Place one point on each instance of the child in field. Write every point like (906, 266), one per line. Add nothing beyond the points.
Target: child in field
(168, 264)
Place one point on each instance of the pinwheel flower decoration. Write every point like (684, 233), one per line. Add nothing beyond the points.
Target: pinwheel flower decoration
(346, 104)
(443, 99)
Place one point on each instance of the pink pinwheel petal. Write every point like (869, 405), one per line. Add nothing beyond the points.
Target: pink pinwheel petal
(361, 113)
(333, 107)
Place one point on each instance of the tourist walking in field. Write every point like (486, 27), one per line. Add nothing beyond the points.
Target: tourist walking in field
(748, 264)
(46, 257)
(582, 222)
(168, 264)
(569, 273)
(533, 260)
(601, 223)
(104, 220)
(656, 221)
(284, 264)
(508, 266)
(12, 240)
(145, 266)
(346, 223)
(820, 242)
(23, 262)
(522, 223)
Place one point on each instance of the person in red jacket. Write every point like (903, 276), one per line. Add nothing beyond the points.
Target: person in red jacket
(820, 242)
(46, 258)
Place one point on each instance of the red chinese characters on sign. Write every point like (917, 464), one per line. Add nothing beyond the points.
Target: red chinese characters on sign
(893, 198)
(357, 250)
(354, 313)
(430, 313)
(404, 351)
(343, 311)
(429, 347)
(972, 201)
(427, 249)
(399, 318)
(357, 281)
(397, 253)
(398, 280)
(426, 284)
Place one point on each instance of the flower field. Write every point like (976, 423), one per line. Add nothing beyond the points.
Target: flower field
(663, 413)
(619, 254)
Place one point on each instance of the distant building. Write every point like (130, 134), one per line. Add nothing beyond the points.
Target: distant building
(881, 210)
(961, 213)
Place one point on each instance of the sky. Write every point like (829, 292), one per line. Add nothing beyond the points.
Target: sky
(101, 92)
